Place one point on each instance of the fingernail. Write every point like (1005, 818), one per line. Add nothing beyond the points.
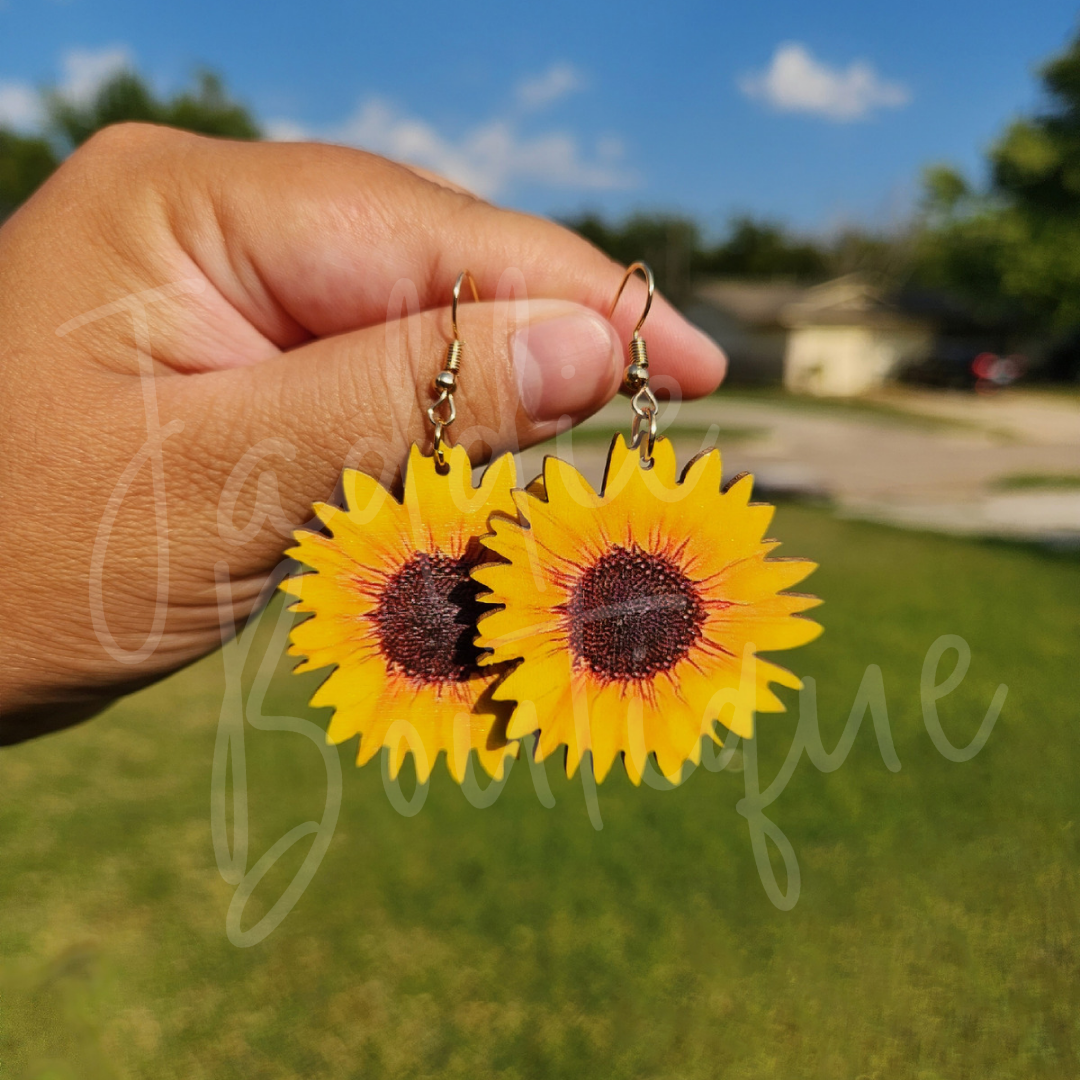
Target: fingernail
(567, 361)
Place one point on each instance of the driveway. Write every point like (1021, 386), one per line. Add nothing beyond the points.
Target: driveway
(950, 462)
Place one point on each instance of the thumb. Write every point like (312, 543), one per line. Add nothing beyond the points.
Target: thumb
(360, 400)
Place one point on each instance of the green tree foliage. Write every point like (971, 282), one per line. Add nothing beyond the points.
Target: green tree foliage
(670, 245)
(27, 160)
(674, 249)
(1010, 251)
(1015, 246)
(1037, 163)
(763, 249)
(882, 257)
(961, 246)
(25, 163)
(944, 190)
(206, 109)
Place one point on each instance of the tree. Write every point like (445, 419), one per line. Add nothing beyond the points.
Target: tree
(27, 161)
(1015, 246)
(206, 109)
(673, 248)
(1036, 165)
(764, 249)
(668, 244)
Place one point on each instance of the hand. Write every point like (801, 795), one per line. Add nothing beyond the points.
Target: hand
(186, 322)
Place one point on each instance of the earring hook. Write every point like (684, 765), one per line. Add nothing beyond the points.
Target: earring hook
(650, 283)
(457, 292)
(446, 381)
(636, 380)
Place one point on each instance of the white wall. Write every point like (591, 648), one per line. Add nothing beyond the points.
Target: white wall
(842, 361)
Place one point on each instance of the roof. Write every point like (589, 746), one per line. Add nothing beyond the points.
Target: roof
(757, 303)
(846, 301)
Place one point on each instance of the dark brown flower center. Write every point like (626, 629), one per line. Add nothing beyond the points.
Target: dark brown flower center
(633, 615)
(427, 619)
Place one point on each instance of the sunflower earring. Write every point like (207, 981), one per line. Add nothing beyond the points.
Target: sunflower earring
(393, 606)
(635, 613)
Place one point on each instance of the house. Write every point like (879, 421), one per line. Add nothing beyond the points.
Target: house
(745, 317)
(846, 337)
(841, 338)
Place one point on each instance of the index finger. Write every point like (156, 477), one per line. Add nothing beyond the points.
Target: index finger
(323, 234)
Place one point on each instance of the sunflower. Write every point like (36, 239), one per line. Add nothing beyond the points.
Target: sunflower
(637, 612)
(394, 610)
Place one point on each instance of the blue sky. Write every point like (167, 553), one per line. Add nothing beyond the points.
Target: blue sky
(814, 114)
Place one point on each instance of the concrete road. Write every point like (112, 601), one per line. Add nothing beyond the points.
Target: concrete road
(922, 459)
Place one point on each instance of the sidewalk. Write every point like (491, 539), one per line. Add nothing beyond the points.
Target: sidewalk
(920, 459)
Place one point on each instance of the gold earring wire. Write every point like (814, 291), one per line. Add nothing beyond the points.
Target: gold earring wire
(446, 381)
(636, 380)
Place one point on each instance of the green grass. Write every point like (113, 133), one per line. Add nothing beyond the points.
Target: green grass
(601, 434)
(937, 934)
(1038, 481)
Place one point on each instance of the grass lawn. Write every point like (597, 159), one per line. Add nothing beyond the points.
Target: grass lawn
(600, 435)
(936, 935)
(1038, 481)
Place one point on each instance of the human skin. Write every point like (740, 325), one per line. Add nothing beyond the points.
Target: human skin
(302, 312)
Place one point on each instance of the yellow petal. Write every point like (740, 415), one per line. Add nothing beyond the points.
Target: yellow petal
(714, 538)
(370, 541)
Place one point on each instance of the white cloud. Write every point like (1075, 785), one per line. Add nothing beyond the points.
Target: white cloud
(795, 81)
(287, 131)
(558, 81)
(20, 106)
(83, 71)
(86, 70)
(486, 159)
